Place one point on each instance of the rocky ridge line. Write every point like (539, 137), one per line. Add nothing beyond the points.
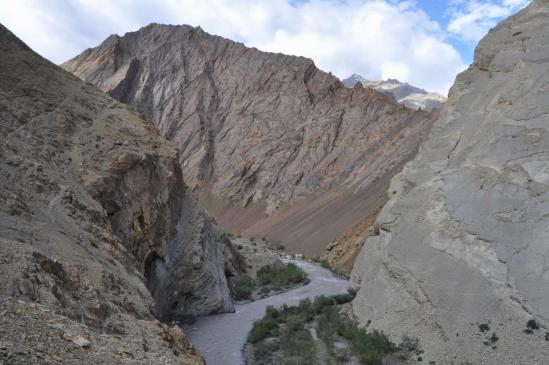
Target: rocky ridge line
(274, 146)
(406, 94)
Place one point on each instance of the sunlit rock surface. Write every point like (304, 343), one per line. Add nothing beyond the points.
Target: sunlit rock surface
(464, 239)
(274, 146)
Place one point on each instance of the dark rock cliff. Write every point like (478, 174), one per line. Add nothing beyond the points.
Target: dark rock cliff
(94, 218)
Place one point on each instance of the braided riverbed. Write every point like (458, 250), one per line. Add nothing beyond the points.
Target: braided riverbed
(221, 337)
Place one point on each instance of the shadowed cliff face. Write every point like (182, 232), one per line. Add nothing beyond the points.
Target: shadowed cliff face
(463, 242)
(93, 211)
(260, 135)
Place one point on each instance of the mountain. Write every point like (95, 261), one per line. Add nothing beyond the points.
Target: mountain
(460, 261)
(99, 235)
(406, 94)
(273, 146)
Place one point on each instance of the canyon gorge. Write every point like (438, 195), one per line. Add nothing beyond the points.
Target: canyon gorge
(139, 177)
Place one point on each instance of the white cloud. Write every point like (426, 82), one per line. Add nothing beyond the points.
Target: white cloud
(472, 19)
(375, 38)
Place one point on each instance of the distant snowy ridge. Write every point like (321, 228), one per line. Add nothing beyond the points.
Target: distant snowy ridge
(406, 94)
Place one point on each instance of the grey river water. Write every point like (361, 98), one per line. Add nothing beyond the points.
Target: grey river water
(220, 337)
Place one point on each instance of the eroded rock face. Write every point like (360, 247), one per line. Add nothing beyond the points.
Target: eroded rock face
(260, 135)
(94, 209)
(463, 241)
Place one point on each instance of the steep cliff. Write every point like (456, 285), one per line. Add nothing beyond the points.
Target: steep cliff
(96, 226)
(461, 257)
(274, 146)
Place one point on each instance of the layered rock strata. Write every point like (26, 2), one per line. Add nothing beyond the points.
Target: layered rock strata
(274, 146)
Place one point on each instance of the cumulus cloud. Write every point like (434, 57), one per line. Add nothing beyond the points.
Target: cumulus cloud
(471, 19)
(374, 38)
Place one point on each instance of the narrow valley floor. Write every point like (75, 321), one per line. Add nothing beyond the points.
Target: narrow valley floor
(220, 338)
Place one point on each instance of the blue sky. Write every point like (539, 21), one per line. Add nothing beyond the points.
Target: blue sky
(423, 42)
(440, 11)
(444, 12)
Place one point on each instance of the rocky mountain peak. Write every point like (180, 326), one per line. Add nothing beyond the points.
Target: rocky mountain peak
(404, 93)
(260, 135)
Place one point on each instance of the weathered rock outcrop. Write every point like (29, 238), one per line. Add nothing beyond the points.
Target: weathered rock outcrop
(261, 136)
(461, 257)
(93, 212)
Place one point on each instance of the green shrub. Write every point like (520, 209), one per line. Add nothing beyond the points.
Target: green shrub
(298, 347)
(484, 327)
(296, 344)
(320, 303)
(348, 330)
(343, 298)
(369, 346)
(327, 325)
(281, 276)
(263, 328)
(305, 307)
(242, 287)
(532, 324)
(295, 322)
(370, 356)
(271, 312)
(262, 351)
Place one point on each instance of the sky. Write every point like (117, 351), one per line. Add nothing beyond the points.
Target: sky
(422, 42)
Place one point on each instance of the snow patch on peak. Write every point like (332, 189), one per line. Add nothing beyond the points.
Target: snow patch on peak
(410, 96)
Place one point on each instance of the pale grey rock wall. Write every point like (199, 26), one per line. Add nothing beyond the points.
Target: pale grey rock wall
(464, 238)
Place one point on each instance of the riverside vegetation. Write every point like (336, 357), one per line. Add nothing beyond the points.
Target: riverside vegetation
(264, 273)
(315, 332)
(270, 278)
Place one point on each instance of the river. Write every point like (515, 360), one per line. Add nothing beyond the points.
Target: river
(220, 337)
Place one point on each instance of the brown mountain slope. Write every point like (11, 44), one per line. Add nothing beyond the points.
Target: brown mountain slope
(261, 136)
(93, 213)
